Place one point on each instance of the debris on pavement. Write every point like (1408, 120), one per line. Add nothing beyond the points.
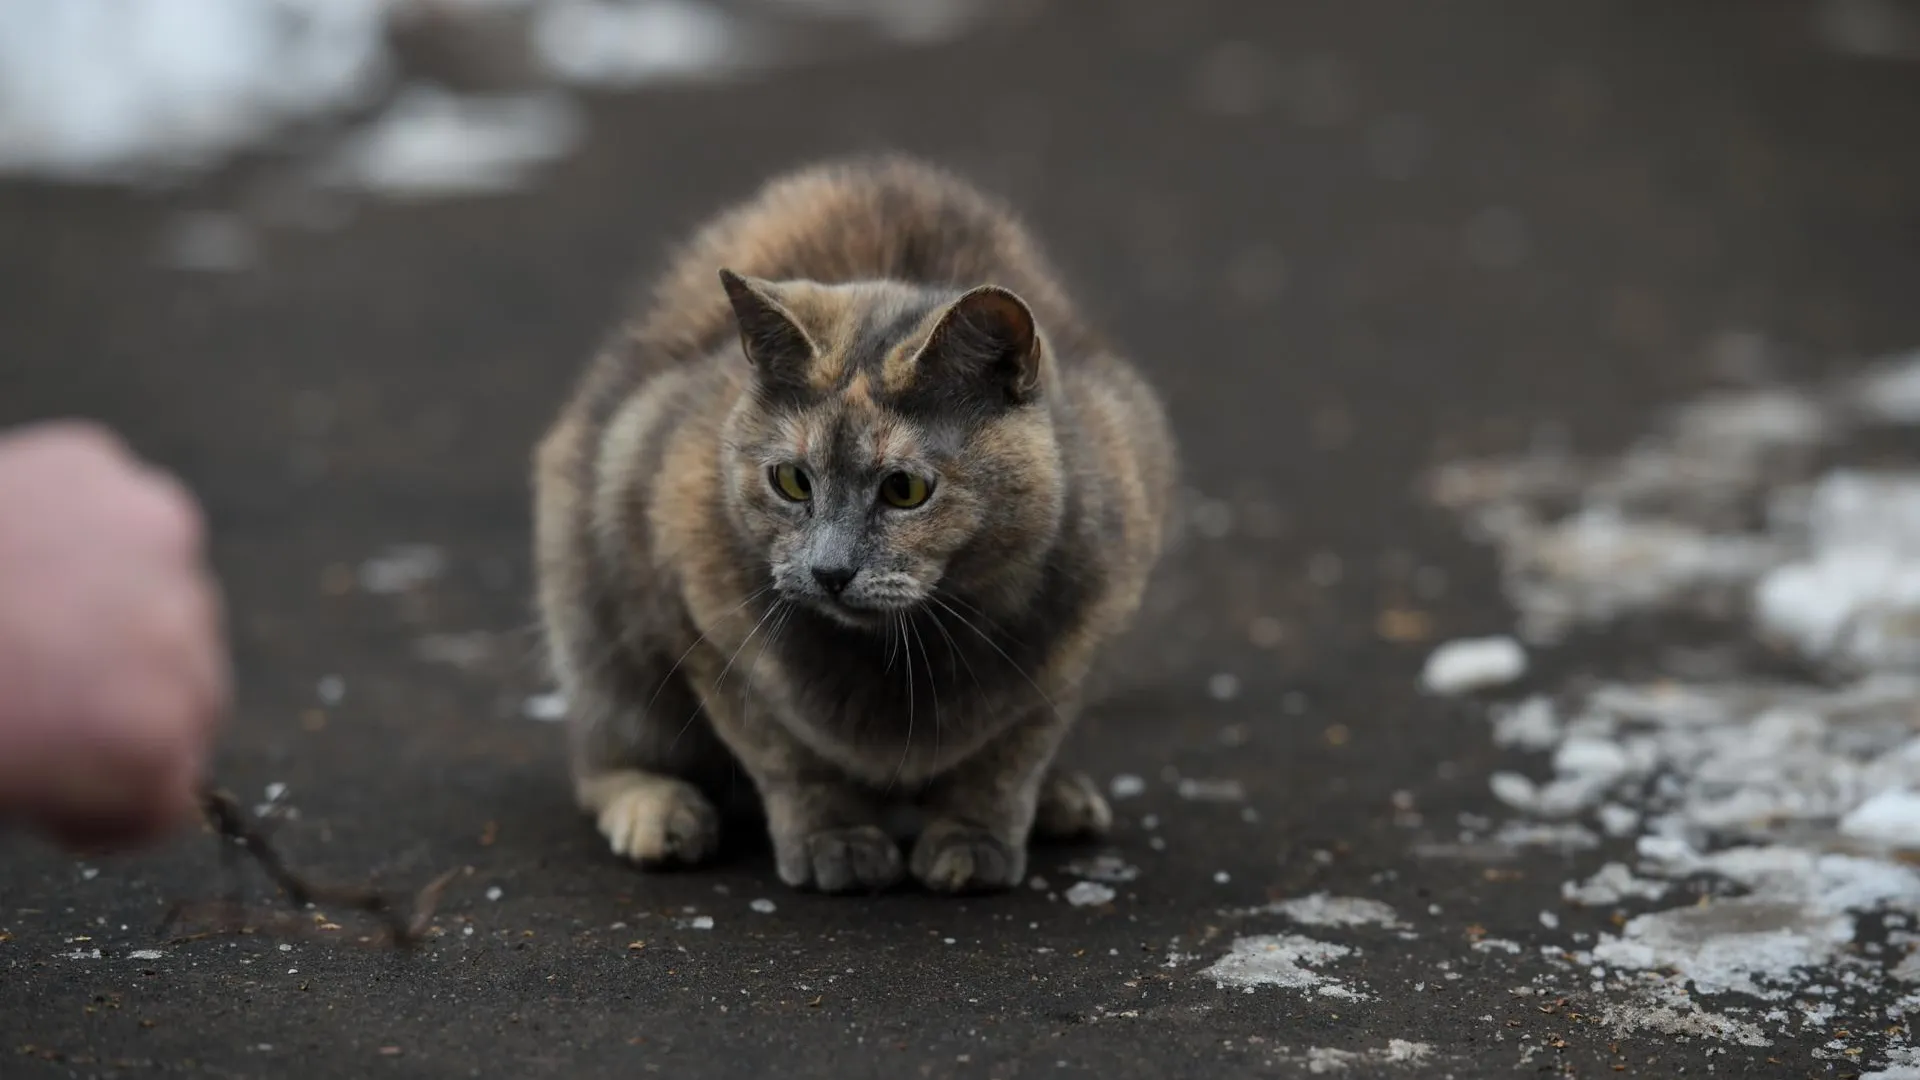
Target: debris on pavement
(1470, 664)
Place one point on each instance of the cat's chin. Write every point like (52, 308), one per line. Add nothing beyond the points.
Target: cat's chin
(873, 619)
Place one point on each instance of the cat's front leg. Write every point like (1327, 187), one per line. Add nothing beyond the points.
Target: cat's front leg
(981, 815)
(826, 830)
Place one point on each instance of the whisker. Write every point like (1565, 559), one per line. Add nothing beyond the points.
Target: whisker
(907, 747)
(996, 648)
(981, 615)
(720, 678)
(955, 651)
(933, 682)
(668, 677)
(786, 611)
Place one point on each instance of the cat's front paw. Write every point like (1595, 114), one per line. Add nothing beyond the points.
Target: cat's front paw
(654, 821)
(1071, 808)
(858, 859)
(954, 857)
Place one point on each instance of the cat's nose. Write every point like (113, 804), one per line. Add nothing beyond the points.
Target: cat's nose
(834, 579)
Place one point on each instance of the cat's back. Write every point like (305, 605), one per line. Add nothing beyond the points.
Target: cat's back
(855, 219)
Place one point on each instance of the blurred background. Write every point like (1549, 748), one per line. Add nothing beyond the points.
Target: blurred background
(338, 261)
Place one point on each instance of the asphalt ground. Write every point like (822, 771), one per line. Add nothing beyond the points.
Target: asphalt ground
(1420, 231)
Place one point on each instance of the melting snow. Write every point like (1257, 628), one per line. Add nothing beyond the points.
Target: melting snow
(1284, 960)
(1320, 909)
(1089, 894)
(121, 89)
(1786, 789)
(1323, 1060)
(1459, 667)
(1892, 817)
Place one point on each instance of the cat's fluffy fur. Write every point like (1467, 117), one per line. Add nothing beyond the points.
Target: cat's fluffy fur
(852, 320)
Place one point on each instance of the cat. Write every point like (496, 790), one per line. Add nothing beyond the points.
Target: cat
(848, 508)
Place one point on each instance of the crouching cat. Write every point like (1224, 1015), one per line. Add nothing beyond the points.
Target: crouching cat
(848, 509)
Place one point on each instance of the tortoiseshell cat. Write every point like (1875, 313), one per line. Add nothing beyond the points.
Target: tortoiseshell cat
(850, 508)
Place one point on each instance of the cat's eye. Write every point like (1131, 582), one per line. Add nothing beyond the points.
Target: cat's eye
(905, 491)
(792, 482)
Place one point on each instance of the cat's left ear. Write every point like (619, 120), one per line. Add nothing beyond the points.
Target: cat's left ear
(988, 335)
(769, 334)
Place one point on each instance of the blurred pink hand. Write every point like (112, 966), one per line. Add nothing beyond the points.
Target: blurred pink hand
(113, 669)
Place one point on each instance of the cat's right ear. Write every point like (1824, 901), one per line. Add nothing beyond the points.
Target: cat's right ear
(774, 343)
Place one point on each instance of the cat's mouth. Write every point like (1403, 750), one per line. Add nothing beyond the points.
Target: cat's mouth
(855, 613)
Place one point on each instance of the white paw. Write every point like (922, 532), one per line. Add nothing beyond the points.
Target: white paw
(651, 819)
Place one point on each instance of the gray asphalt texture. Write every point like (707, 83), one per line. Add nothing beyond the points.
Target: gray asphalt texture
(1441, 230)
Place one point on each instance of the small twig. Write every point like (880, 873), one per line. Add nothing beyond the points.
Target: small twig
(224, 813)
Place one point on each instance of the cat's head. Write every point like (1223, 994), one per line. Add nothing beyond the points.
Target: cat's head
(894, 447)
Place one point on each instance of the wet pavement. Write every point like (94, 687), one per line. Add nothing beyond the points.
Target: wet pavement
(1351, 243)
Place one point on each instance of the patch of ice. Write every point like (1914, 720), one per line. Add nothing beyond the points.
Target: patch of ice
(1892, 817)
(763, 906)
(1127, 786)
(1746, 945)
(1530, 725)
(1469, 664)
(700, 922)
(1617, 820)
(431, 142)
(1515, 790)
(1856, 598)
(1089, 894)
(1673, 1012)
(1611, 884)
(146, 954)
(1324, 1060)
(625, 45)
(1321, 909)
(1889, 391)
(1283, 960)
(105, 88)
(1903, 1063)
(1797, 915)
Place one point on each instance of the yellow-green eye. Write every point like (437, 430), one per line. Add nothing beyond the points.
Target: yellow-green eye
(904, 491)
(791, 482)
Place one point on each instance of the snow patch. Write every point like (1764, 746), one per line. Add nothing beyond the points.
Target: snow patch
(1089, 894)
(1469, 664)
(1320, 909)
(1283, 960)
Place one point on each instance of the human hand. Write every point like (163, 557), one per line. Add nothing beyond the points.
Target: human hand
(113, 668)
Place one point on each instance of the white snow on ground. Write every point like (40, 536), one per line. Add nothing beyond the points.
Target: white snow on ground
(1288, 961)
(99, 88)
(1799, 796)
(1469, 664)
(1323, 1061)
(430, 142)
(1320, 909)
(127, 90)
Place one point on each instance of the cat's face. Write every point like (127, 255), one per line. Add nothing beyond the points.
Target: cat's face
(893, 449)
